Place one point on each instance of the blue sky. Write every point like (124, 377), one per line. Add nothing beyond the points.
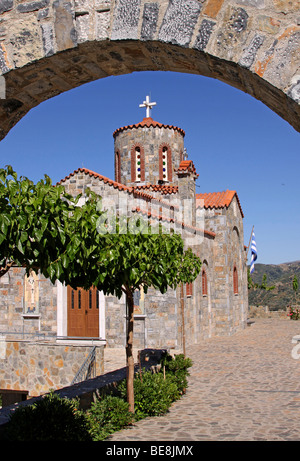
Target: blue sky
(235, 141)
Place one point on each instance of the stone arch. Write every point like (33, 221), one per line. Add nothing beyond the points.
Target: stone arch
(237, 246)
(50, 46)
(236, 235)
(237, 242)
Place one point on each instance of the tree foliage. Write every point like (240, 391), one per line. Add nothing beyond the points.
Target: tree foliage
(295, 286)
(42, 227)
(262, 286)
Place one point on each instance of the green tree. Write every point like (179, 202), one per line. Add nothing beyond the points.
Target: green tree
(262, 286)
(132, 260)
(295, 287)
(41, 227)
(250, 281)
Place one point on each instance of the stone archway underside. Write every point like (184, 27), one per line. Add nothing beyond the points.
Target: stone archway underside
(48, 47)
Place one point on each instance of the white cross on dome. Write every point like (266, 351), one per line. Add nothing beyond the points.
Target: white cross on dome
(148, 106)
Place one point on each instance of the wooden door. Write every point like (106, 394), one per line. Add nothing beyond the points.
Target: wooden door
(83, 312)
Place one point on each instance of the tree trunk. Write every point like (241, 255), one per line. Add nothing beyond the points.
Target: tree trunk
(182, 318)
(129, 351)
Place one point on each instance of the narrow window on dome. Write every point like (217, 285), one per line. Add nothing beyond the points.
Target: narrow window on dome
(165, 163)
(137, 164)
(117, 167)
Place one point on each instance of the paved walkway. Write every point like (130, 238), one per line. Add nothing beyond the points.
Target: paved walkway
(245, 387)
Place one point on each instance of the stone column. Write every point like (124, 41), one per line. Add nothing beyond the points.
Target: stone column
(186, 176)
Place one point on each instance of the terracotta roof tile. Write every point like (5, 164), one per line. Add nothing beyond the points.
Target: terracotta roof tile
(95, 175)
(132, 190)
(164, 189)
(187, 165)
(219, 199)
(147, 121)
(116, 185)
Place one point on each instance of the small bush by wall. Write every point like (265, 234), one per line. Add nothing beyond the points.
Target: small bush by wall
(153, 394)
(50, 418)
(108, 415)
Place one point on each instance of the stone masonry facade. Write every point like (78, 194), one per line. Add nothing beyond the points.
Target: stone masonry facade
(50, 46)
(31, 357)
(37, 350)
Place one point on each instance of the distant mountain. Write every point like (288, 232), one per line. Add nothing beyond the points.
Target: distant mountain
(281, 276)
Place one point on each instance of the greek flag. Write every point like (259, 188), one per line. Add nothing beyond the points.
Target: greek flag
(253, 253)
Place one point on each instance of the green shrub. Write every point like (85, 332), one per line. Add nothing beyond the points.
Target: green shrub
(50, 418)
(177, 367)
(152, 396)
(56, 418)
(107, 415)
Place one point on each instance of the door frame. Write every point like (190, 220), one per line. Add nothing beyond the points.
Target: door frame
(62, 316)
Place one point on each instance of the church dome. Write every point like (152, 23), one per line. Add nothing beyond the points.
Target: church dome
(148, 152)
(147, 121)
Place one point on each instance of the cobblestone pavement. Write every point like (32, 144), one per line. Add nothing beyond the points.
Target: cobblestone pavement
(243, 387)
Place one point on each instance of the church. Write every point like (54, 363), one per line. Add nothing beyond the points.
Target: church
(47, 331)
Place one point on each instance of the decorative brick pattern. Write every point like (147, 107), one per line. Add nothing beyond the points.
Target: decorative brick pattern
(151, 137)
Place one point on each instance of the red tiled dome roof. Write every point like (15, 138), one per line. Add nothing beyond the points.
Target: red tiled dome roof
(147, 121)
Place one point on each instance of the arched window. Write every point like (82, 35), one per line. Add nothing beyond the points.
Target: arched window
(117, 167)
(137, 163)
(235, 281)
(189, 289)
(204, 283)
(165, 163)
